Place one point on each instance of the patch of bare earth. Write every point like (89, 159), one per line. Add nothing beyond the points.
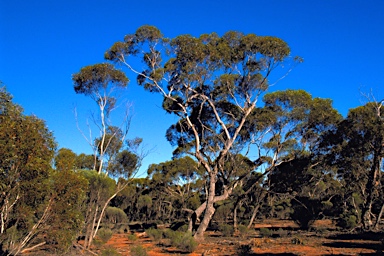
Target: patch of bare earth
(292, 243)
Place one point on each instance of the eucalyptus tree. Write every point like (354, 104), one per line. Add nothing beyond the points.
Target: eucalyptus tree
(356, 150)
(175, 183)
(100, 82)
(26, 152)
(115, 156)
(212, 84)
(37, 204)
(298, 122)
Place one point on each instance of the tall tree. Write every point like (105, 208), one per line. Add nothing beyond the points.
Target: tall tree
(36, 203)
(298, 123)
(356, 149)
(212, 84)
(99, 82)
(114, 155)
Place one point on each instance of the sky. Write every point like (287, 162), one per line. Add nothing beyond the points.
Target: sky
(44, 42)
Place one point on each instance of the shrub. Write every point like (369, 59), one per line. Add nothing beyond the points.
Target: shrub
(297, 240)
(183, 228)
(104, 234)
(244, 249)
(121, 228)
(155, 234)
(182, 240)
(226, 230)
(347, 221)
(282, 232)
(243, 230)
(305, 211)
(115, 215)
(109, 252)
(138, 251)
(132, 237)
(265, 232)
(172, 234)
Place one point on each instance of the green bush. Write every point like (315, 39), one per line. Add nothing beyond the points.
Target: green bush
(182, 240)
(155, 234)
(347, 221)
(183, 228)
(104, 234)
(109, 252)
(115, 215)
(132, 237)
(226, 230)
(265, 232)
(243, 230)
(138, 251)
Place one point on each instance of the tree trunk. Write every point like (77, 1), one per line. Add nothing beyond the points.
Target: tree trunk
(371, 190)
(253, 215)
(235, 215)
(210, 209)
(197, 213)
(379, 217)
(257, 206)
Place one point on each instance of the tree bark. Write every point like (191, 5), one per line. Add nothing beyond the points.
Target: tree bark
(371, 189)
(210, 209)
(379, 217)
(235, 214)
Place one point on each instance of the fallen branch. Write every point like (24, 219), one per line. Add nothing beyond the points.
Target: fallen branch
(33, 247)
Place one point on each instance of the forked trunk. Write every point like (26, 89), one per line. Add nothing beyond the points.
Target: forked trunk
(209, 210)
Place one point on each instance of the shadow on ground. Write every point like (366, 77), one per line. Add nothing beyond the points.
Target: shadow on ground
(271, 254)
(372, 236)
(353, 241)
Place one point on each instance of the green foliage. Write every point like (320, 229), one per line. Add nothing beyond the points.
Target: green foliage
(132, 237)
(26, 153)
(90, 79)
(115, 215)
(243, 230)
(104, 234)
(347, 221)
(110, 252)
(66, 220)
(223, 211)
(85, 162)
(182, 240)
(265, 232)
(65, 159)
(99, 184)
(155, 234)
(226, 229)
(138, 250)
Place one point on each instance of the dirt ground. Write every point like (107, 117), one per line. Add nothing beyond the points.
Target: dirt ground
(323, 240)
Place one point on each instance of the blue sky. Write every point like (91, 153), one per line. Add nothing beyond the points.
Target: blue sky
(42, 43)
